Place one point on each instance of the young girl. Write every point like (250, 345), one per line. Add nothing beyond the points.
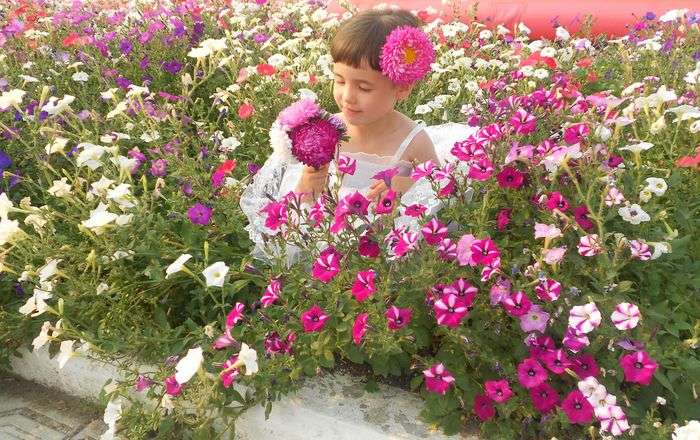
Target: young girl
(380, 138)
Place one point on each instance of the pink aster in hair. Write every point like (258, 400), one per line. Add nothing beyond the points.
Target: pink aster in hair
(434, 231)
(484, 251)
(406, 55)
(544, 397)
(585, 318)
(271, 293)
(612, 419)
(577, 408)
(397, 318)
(517, 303)
(327, 265)
(548, 290)
(229, 373)
(438, 379)
(626, 316)
(346, 164)
(298, 113)
(482, 169)
(449, 310)
(483, 407)
(640, 250)
(359, 328)
(498, 390)
(364, 285)
(314, 319)
(531, 373)
(638, 367)
(589, 245)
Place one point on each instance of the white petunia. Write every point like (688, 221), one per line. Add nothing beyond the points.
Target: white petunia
(188, 365)
(118, 110)
(637, 148)
(90, 155)
(177, 265)
(660, 248)
(229, 144)
(691, 431)
(423, 109)
(5, 206)
(101, 186)
(60, 188)
(214, 45)
(645, 195)
(36, 304)
(562, 34)
(121, 194)
(80, 77)
(109, 94)
(99, 219)
(215, 274)
(9, 230)
(57, 146)
(249, 358)
(657, 185)
(12, 98)
(66, 352)
(199, 52)
(136, 91)
(124, 219)
(56, 106)
(113, 412)
(43, 336)
(49, 269)
(633, 214)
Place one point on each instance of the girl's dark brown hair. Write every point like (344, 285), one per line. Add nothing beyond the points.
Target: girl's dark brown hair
(362, 36)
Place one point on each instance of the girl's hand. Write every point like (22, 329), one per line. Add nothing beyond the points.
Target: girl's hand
(400, 184)
(312, 181)
(377, 190)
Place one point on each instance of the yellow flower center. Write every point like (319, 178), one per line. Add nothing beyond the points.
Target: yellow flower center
(410, 55)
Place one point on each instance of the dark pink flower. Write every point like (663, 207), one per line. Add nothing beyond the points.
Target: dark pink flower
(142, 383)
(368, 247)
(548, 290)
(447, 249)
(438, 379)
(406, 55)
(469, 149)
(276, 214)
(415, 210)
(491, 269)
(229, 373)
(397, 318)
(315, 142)
(640, 250)
(483, 407)
(386, 175)
(359, 328)
(498, 390)
(199, 214)
(434, 231)
(503, 218)
(544, 397)
(517, 303)
(224, 340)
(576, 133)
(638, 367)
(235, 315)
(364, 285)
(314, 319)
(385, 205)
(584, 365)
(463, 290)
(531, 373)
(492, 132)
(408, 241)
(172, 387)
(556, 361)
(275, 345)
(577, 408)
(357, 203)
(422, 170)
(327, 265)
(499, 291)
(575, 341)
(540, 345)
(484, 251)
(271, 293)
(317, 213)
(523, 122)
(581, 216)
(481, 169)
(218, 176)
(557, 201)
(449, 310)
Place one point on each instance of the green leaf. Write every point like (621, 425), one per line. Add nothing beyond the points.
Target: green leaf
(371, 386)
(663, 380)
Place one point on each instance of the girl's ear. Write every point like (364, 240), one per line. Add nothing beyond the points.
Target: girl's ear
(403, 92)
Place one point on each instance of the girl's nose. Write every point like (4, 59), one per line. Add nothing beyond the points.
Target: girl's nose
(348, 96)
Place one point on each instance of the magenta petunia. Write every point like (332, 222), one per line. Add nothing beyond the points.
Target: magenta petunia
(523, 122)
(581, 216)
(576, 133)
(397, 318)
(503, 218)
(447, 249)
(434, 231)
(422, 170)
(408, 241)
(229, 373)
(276, 214)
(368, 248)
(172, 387)
(482, 169)
(271, 293)
(356, 203)
(199, 214)
(438, 379)
(327, 265)
(577, 408)
(638, 367)
(584, 365)
(498, 390)
(557, 201)
(556, 361)
(517, 303)
(364, 285)
(415, 210)
(449, 310)
(544, 397)
(298, 113)
(314, 319)
(548, 290)
(484, 251)
(531, 373)
(406, 55)
(539, 344)
(483, 407)
(317, 213)
(315, 142)
(359, 328)
(346, 164)
(574, 340)
(235, 315)
(463, 290)
(385, 205)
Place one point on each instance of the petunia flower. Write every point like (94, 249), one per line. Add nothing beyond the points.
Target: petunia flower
(544, 397)
(640, 250)
(483, 407)
(484, 251)
(422, 170)
(235, 315)
(498, 390)
(585, 318)
(359, 328)
(589, 245)
(534, 320)
(229, 373)
(438, 379)
(386, 175)
(556, 361)
(638, 367)
(415, 210)
(177, 265)
(346, 164)
(626, 316)
(574, 340)
(364, 285)
(612, 419)
(556, 200)
(276, 214)
(434, 231)
(581, 216)
(554, 255)
(408, 241)
(199, 214)
(447, 249)
(577, 408)
(548, 290)
(481, 170)
(327, 265)
(367, 247)
(584, 365)
(271, 293)
(172, 387)
(449, 310)
(385, 205)
(531, 373)
(523, 122)
(215, 274)
(633, 214)
(503, 218)
(314, 319)
(499, 291)
(397, 318)
(547, 231)
(517, 303)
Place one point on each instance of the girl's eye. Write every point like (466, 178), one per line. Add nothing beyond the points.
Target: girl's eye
(365, 90)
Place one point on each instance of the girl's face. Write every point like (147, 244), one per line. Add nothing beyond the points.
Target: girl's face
(364, 95)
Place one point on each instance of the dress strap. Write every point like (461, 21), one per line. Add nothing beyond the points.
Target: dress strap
(402, 148)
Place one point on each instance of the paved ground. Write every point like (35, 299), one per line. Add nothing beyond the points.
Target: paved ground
(32, 412)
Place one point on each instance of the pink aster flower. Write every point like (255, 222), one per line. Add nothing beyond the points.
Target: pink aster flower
(612, 419)
(584, 365)
(531, 373)
(438, 379)
(385, 205)
(327, 265)
(534, 320)
(422, 170)
(276, 215)
(449, 310)
(235, 315)
(556, 361)
(271, 293)
(544, 397)
(585, 318)
(314, 319)
(484, 251)
(315, 142)
(481, 170)
(548, 290)
(557, 201)
(589, 245)
(498, 390)
(483, 407)
(359, 328)
(406, 55)
(464, 250)
(346, 164)
(638, 367)
(434, 231)
(577, 408)
(523, 122)
(229, 373)
(517, 303)
(397, 318)
(364, 285)
(574, 341)
(626, 316)
(172, 387)
(298, 113)
(640, 250)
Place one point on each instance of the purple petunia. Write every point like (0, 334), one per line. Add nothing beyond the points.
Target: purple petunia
(199, 214)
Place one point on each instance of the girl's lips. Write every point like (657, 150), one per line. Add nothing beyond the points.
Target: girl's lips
(347, 110)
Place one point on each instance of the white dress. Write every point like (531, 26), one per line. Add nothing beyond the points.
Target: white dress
(277, 177)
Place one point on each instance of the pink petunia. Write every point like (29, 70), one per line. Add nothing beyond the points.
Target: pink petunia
(434, 231)
(423, 170)
(367, 247)
(523, 122)
(276, 215)
(364, 285)
(574, 341)
(449, 310)
(576, 133)
(438, 379)
(534, 320)
(556, 200)
(464, 250)
(531, 373)
(229, 373)
(447, 249)
(408, 241)
(463, 290)
(498, 390)
(357, 203)
(589, 245)
(499, 291)
(491, 269)
(544, 397)
(484, 251)
(386, 175)
(386, 204)
(172, 387)
(469, 150)
(235, 315)
(492, 132)
(614, 197)
(503, 218)
(584, 365)
(397, 318)
(517, 303)
(640, 250)
(585, 318)
(510, 177)
(359, 328)
(554, 255)
(548, 290)
(539, 345)
(581, 216)
(415, 210)
(483, 407)
(327, 265)
(519, 152)
(556, 361)
(612, 419)
(626, 316)
(577, 408)
(271, 293)
(314, 319)
(317, 213)
(481, 170)
(346, 164)
(638, 367)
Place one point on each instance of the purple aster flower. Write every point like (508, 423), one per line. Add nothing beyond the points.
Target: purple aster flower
(199, 214)
(159, 167)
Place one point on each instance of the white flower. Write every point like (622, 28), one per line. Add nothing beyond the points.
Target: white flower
(280, 143)
(166, 402)
(80, 76)
(49, 269)
(645, 195)
(188, 366)
(43, 337)
(36, 221)
(9, 230)
(215, 274)
(5, 206)
(113, 412)
(637, 148)
(66, 352)
(660, 400)
(177, 265)
(214, 45)
(523, 29)
(660, 248)
(60, 188)
(540, 73)
(90, 155)
(102, 288)
(585, 318)
(135, 90)
(99, 219)
(603, 133)
(691, 431)
(633, 214)
(485, 34)
(249, 357)
(658, 125)
(36, 305)
(55, 106)
(28, 78)
(12, 98)
(119, 109)
(673, 14)
(307, 94)
(562, 34)
(124, 219)
(57, 146)
(199, 52)
(588, 386)
(109, 94)
(121, 194)
(150, 136)
(229, 144)
(278, 60)
(423, 109)
(694, 127)
(101, 186)
(548, 51)
(657, 185)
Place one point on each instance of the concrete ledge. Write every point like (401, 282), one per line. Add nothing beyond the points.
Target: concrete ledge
(330, 407)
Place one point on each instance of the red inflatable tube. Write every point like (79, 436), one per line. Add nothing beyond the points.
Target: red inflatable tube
(542, 16)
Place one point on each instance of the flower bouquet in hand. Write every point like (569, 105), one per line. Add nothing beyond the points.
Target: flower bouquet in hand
(308, 133)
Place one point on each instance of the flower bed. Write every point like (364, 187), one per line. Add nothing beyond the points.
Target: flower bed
(554, 293)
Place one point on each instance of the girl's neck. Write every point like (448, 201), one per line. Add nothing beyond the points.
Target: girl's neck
(383, 127)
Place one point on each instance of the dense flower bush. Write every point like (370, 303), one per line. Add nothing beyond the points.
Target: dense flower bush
(553, 294)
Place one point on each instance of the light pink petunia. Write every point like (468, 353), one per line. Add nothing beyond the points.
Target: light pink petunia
(438, 379)
(548, 290)
(271, 293)
(327, 265)
(346, 164)
(589, 245)
(640, 250)
(229, 373)
(464, 250)
(626, 316)
(434, 231)
(585, 318)
(612, 419)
